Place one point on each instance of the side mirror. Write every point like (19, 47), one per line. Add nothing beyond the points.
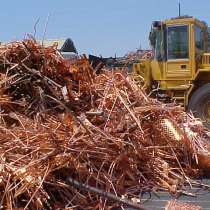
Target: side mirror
(157, 24)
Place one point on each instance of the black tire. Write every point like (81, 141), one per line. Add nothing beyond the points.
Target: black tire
(199, 104)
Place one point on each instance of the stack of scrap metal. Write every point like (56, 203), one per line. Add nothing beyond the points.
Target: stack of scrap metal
(73, 139)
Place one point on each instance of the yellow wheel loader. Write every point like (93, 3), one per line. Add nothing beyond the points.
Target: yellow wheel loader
(180, 66)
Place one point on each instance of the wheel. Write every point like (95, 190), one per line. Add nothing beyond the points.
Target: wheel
(199, 104)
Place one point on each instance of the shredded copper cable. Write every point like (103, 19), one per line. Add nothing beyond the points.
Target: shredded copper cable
(59, 122)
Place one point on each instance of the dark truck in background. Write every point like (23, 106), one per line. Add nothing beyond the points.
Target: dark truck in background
(124, 62)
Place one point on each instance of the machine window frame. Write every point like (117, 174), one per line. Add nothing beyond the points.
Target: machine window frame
(188, 44)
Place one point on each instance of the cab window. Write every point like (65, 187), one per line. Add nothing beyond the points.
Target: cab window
(177, 42)
(158, 55)
(199, 38)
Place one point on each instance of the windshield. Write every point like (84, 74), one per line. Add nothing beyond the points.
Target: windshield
(178, 42)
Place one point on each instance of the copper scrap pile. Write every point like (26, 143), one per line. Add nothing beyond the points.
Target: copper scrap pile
(61, 122)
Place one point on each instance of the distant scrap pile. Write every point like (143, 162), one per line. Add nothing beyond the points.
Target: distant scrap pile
(127, 61)
(70, 139)
(139, 54)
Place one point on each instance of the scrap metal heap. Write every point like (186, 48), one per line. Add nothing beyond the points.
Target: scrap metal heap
(67, 135)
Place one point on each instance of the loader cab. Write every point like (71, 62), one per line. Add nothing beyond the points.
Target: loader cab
(177, 45)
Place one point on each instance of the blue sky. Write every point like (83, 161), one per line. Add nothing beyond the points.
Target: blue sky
(97, 27)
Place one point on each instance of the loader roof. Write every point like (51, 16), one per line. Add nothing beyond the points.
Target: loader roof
(184, 20)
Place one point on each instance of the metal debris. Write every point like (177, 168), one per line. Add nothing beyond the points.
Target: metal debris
(102, 131)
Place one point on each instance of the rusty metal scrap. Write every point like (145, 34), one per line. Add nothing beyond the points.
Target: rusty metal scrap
(58, 120)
